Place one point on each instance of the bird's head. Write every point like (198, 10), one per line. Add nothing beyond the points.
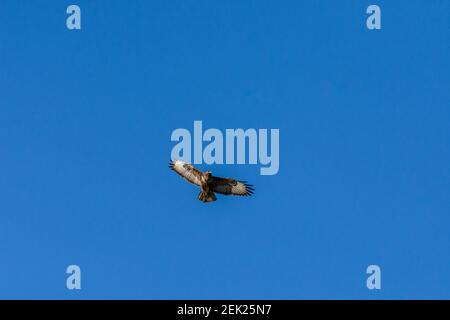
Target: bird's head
(208, 175)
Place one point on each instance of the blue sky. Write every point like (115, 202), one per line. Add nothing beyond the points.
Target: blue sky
(85, 124)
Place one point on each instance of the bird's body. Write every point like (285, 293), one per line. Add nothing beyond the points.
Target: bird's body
(206, 194)
(209, 184)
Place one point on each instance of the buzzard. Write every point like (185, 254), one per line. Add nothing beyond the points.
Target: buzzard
(209, 184)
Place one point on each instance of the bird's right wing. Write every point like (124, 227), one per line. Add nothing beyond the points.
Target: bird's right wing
(228, 186)
(187, 171)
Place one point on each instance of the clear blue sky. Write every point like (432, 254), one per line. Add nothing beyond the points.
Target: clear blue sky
(85, 124)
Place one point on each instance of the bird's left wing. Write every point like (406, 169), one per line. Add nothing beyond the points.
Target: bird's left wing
(187, 171)
(228, 186)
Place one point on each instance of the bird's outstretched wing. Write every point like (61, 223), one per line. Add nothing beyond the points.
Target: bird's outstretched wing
(228, 186)
(187, 171)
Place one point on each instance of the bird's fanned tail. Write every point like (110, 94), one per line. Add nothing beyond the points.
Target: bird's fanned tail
(207, 196)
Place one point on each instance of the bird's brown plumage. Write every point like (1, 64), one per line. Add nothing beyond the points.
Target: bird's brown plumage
(210, 184)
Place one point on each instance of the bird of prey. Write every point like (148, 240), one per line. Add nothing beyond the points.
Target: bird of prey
(209, 184)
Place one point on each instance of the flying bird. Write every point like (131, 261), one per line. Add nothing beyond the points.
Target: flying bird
(209, 184)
